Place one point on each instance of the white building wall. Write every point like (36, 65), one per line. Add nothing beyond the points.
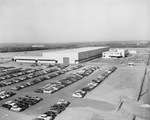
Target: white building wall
(105, 55)
(60, 55)
(45, 61)
(122, 52)
(115, 53)
(27, 61)
(27, 57)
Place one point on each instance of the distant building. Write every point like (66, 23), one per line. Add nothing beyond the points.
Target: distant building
(78, 55)
(133, 52)
(115, 52)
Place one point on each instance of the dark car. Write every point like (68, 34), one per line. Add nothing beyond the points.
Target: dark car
(2, 84)
(6, 106)
(11, 93)
(52, 75)
(73, 79)
(65, 82)
(97, 80)
(87, 89)
(50, 113)
(38, 91)
(38, 119)
(57, 109)
(43, 78)
(37, 98)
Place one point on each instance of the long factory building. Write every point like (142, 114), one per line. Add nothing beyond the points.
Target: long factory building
(67, 56)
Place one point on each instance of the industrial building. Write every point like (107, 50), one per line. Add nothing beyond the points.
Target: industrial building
(115, 53)
(33, 59)
(78, 55)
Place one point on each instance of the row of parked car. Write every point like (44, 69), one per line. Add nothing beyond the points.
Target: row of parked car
(62, 66)
(90, 86)
(36, 81)
(20, 79)
(4, 69)
(54, 110)
(88, 70)
(19, 73)
(136, 59)
(32, 73)
(51, 65)
(6, 94)
(21, 103)
(57, 85)
(10, 71)
(95, 82)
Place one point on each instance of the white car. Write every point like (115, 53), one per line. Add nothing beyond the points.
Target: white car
(108, 71)
(101, 77)
(54, 87)
(9, 102)
(92, 83)
(45, 117)
(79, 94)
(48, 91)
(15, 108)
(62, 101)
(3, 96)
(47, 86)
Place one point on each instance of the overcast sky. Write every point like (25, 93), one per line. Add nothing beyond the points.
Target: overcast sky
(74, 20)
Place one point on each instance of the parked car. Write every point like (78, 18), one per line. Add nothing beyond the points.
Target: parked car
(38, 119)
(79, 94)
(62, 101)
(93, 84)
(18, 109)
(6, 106)
(45, 117)
(57, 108)
(38, 91)
(87, 88)
(16, 87)
(97, 80)
(49, 91)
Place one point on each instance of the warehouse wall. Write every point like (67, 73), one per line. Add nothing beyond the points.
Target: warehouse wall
(92, 54)
(59, 56)
(72, 56)
(27, 61)
(46, 61)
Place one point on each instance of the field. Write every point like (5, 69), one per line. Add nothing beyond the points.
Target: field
(123, 95)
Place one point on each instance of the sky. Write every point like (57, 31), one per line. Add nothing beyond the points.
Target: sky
(49, 21)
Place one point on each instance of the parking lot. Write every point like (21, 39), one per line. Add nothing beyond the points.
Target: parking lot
(49, 99)
(101, 93)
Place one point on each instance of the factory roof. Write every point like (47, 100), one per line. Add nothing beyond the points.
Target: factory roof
(28, 57)
(76, 50)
